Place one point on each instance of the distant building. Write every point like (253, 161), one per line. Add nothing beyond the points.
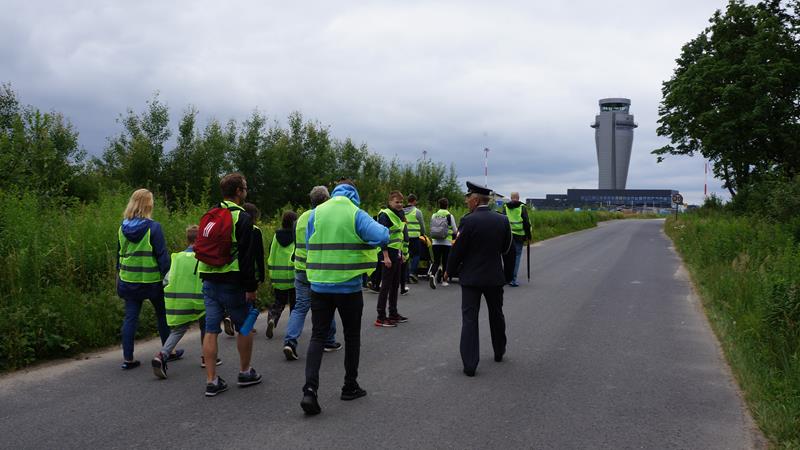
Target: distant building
(613, 137)
(606, 199)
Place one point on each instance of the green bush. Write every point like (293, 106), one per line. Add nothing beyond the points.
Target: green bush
(59, 277)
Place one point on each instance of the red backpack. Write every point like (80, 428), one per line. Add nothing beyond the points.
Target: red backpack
(214, 237)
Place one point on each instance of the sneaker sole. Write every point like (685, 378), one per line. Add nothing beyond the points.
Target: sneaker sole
(212, 394)
(385, 325)
(158, 371)
(329, 350)
(290, 354)
(432, 283)
(248, 383)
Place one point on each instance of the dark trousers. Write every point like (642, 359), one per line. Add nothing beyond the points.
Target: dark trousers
(323, 307)
(390, 284)
(440, 254)
(131, 322)
(375, 277)
(282, 298)
(470, 307)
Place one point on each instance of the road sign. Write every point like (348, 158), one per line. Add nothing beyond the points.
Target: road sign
(677, 198)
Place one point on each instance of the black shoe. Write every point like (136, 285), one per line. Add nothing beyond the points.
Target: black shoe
(469, 372)
(128, 365)
(290, 352)
(352, 393)
(175, 356)
(335, 347)
(270, 328)
(413, 279)
(404, 291)
(432, 281)
(214, 389)
(248, 379)
(309, 403)
(159, 364)
(227, 326)
(398, 318)
(498, 358)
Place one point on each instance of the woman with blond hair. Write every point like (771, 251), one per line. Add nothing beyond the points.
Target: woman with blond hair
(142, 263)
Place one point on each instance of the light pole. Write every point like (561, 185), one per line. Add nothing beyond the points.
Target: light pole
(486, 166)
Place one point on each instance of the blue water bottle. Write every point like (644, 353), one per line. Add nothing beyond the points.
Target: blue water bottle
(247, 326)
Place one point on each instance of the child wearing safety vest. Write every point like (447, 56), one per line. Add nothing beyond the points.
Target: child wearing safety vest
(183, 297)
(392, 218)
(280, 265)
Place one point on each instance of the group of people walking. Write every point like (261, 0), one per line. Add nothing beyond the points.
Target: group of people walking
(318, 261)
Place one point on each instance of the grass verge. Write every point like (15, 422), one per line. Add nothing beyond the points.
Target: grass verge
(747, 272)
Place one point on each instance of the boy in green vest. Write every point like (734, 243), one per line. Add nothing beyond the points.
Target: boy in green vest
(183, 298)
(392, 218)
(281, 270)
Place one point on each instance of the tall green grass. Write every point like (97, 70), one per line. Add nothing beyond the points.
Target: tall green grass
(58, 278)
(748, 273)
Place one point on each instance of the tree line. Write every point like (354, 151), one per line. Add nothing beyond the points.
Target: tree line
(40, 153)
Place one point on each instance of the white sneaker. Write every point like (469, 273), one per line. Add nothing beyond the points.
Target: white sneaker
(445, 283)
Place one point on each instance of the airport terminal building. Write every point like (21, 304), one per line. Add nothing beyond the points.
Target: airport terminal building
(606, 199)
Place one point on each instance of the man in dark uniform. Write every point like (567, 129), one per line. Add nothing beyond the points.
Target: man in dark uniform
(483, 237)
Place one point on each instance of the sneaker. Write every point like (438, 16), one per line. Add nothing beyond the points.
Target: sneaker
(159, 364)
(128, 365)
(175, 356)
(290, 352)
(352, 393)
(227, 326)
(335, 347)
(270, 328)
(404, 291)
(309, 403)
(432, 281)
(248, 379)
(372, 288)
(445, 283)
(214, 389)
(203, 362)
(513, 284)
(397, 318)
(385, 323)
(413, 279)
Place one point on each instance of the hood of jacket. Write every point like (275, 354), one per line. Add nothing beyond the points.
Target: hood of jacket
(514, 204)
(135, 229)
(284, 237)
(345, 190)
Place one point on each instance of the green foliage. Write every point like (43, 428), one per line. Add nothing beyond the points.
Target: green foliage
(746, 270)
(733, 97)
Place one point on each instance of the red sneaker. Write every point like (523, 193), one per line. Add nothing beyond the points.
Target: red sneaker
(385, 323)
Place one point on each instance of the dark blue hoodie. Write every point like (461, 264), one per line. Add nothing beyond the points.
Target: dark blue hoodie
(134, 230)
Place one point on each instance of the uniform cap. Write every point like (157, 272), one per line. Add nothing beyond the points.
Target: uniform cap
(473, 188)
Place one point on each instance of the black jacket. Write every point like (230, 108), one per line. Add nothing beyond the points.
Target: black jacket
(477, 254)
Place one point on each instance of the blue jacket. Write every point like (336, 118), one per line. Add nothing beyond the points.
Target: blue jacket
(367, 229)
(134, 230)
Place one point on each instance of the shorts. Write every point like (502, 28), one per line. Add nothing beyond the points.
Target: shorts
(222, 298)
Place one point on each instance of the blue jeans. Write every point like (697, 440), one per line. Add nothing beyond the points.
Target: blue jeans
(220, 298)
(132, 309)
(297, 317)
(518, 250)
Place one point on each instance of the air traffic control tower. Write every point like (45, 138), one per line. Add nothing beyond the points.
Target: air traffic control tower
(613, 136)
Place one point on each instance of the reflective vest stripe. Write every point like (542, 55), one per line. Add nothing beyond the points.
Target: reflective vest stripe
(188, 295)
(128, 268)
(343, 266)
(138, 253)
(271, 267)
(185, 312)
(298, 258)
(340, 247)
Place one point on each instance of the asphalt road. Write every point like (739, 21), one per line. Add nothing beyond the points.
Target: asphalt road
(607, 348)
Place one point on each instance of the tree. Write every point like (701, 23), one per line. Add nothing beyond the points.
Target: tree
(735, 95)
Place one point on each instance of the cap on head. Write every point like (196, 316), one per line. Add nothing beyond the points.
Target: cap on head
(473, 188)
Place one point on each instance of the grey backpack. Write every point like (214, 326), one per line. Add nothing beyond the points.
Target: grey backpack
(440, 227)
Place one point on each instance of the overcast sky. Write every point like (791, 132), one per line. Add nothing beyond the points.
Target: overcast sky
(522, 78)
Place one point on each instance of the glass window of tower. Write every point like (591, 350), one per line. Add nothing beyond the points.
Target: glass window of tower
(613, 107)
